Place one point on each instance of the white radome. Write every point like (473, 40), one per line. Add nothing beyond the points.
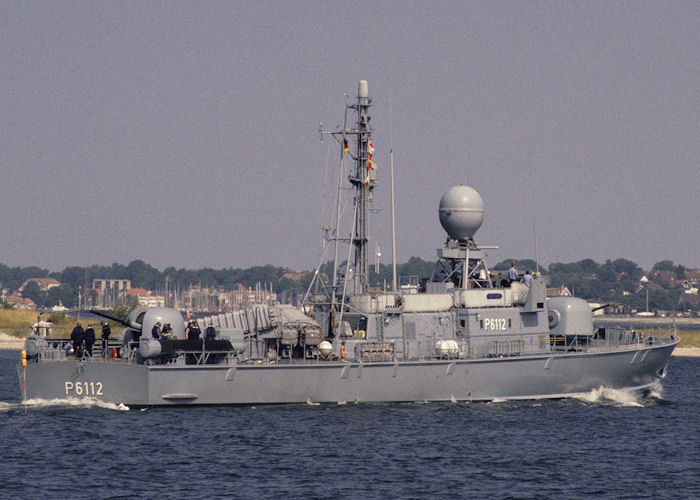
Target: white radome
(461, 212)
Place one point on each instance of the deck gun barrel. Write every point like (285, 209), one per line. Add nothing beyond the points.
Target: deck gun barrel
(126, 323)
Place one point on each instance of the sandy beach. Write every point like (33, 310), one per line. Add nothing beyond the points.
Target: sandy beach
(8, 342)
(693, 352)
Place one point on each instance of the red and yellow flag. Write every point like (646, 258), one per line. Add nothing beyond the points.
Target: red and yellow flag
(370, 164)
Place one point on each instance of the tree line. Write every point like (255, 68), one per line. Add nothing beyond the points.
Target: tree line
(616, 281)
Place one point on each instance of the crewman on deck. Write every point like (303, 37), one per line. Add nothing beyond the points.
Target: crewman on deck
(343, 351)
(89, 339)
(512, 273)
(210, 332)
(193, 331)
(527, 278)
(155, 331)
(106, 332)
(167, 332)
(77, 337)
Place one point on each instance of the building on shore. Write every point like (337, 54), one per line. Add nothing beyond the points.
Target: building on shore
(107, 293)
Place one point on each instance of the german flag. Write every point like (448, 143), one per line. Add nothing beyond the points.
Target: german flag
(345, 146)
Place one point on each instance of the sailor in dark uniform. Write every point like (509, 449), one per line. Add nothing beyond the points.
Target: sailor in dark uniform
(193, 331)
(167, 332)
(89, 339)
(210, 332)
(106, 332)
(77, 337)
(155, 331)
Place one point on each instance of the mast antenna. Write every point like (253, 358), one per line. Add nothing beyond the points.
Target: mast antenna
(394, 285)
(534, 226)
(363, 180)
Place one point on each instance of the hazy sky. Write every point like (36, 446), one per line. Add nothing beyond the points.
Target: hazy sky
(186, 133)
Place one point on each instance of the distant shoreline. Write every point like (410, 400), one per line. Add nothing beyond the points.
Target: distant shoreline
(642, 321)
(690, 352)
(8, 342)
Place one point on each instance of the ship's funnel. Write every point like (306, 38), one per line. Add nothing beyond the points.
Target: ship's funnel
(362, 90)
(461, 212)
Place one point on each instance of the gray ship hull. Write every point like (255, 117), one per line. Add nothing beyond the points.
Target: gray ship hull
(533, 377)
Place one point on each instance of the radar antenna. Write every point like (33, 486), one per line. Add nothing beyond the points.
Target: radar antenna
(460, 260)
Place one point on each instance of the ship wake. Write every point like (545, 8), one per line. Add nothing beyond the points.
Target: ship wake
(623, 397)
(38, 404)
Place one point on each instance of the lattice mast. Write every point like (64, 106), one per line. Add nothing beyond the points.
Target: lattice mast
(363, 183)
(362, 179)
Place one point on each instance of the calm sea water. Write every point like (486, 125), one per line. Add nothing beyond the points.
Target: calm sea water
(606, 444)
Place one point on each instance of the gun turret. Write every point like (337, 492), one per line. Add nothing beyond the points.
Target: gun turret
(141, 321)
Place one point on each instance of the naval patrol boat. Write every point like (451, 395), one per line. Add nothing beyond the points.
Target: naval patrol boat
(463, 334)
